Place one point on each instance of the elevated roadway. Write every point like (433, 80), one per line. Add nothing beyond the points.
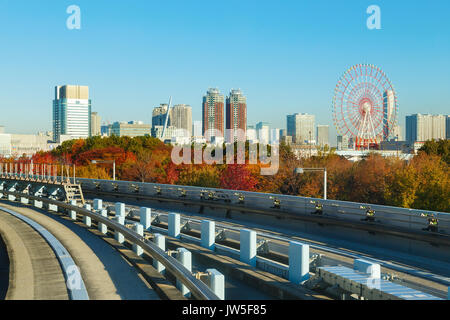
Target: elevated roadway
(35, 273)
(399, 239)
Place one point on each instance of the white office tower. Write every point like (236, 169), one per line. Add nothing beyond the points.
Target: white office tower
(95, 124)
(423, 127)
(263, 131)
(71, 112)
(323, 135)
(388, 109)
(301, 128)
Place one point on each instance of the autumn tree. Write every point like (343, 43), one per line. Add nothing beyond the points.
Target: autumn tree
(207, 176)
(440, 148)
(238, 177)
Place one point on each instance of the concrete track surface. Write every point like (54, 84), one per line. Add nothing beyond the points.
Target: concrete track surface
(35, 272)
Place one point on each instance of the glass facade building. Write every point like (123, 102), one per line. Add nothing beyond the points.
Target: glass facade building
(71, 112)
(301, 128)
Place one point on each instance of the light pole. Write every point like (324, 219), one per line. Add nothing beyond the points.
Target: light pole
(302, 170)
(107, 161)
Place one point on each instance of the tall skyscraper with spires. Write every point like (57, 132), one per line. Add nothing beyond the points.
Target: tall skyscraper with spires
(213, 105)
(236, 115)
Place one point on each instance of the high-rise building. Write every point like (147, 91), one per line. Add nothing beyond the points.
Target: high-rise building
(287, 140)
(197, 129)
(323, 135)
(169, 133)
(447, 127)
(236, 114)
(423, 127)
(213, 104)
(106, 130)
(342, 143)
(263, 131)
(181, 118)
(159, 115)
(301, 128)
(95, 124)
(71, 112)
(251, 134)
(274, 136)
(388, 109)
(439, 122)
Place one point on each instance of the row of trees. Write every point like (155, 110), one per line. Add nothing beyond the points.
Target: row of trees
(422, 183)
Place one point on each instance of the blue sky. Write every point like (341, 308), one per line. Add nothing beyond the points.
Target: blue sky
(285, 55)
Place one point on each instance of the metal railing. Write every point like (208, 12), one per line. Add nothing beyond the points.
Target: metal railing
(198, 288)
(290, 206)
(329, 211)
(278, 244)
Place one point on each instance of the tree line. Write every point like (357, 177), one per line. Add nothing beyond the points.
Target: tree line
(421, 183)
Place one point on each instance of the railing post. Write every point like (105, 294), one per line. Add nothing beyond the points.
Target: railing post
(10, 196)
(208, 234)
(298, 262)
(217, 283)
(146, 217)
(160, 241)
(87, 220)
(120, 209)
(52, 207)
(185, 258)
(174, 225)
(98, 204)
(73, 213)
(103, 228)
(118, 236)
(248, 247)
(139, 229)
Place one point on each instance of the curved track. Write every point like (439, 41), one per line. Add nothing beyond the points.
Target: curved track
(106, 274)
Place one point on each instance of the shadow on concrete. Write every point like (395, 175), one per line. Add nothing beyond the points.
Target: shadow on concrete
(4, 270)
(124, 276)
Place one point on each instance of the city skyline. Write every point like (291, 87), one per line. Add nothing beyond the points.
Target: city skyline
(298, 54)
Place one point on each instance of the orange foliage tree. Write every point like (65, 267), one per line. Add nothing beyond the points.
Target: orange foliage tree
(238, 177)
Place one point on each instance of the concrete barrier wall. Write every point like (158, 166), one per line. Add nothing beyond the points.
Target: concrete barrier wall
(296, 206)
